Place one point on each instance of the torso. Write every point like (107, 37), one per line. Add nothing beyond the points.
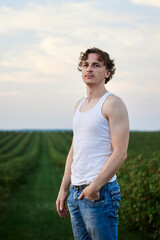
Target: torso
(91, 141)
(87, 106)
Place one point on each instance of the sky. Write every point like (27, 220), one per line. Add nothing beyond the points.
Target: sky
(40, 44)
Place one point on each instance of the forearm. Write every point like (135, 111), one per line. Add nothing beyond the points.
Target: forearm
(63, 192)
(109, 169)
(66, 181)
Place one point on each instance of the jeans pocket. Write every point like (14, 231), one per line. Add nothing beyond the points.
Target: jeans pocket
(97, 201)
(93, 203)
(116, 198)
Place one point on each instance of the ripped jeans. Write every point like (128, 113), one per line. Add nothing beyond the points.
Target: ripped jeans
(95, 219)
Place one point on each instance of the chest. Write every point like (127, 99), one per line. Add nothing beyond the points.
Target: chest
(90, 124)
(86, 106)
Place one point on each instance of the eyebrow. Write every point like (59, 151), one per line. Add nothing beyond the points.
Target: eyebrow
(92, 63)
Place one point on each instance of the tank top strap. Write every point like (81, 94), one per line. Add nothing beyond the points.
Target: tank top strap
(103, 98)
(81, 102)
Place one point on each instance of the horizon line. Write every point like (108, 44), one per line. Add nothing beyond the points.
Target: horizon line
(68, 129)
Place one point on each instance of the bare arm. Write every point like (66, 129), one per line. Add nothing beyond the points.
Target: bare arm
(63, 192)
(116, 112)
(66, 181)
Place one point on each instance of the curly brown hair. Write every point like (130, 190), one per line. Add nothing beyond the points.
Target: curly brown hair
(103, 57)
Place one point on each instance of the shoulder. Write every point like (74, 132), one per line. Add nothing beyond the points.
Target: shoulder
(77, 104)
(114, 101)
(113, 105)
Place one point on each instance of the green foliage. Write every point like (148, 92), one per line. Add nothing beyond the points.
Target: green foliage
(139, 176)
(140, 188)
(67, 137)
(60, 142)
(18, 150)
(54, 148)
(13, 142)
(32, 213)
(14, 172)
(5, 137)
(144, 143)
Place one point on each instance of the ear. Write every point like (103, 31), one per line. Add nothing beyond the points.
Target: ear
(108, 73)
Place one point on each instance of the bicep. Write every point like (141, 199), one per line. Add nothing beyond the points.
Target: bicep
(119, 127)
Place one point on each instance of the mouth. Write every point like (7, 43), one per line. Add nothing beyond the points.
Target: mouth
(89, 76)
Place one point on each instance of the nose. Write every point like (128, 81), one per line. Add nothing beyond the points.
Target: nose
(89, 68)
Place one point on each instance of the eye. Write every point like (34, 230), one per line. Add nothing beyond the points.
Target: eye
(96, 65)
(84, 65)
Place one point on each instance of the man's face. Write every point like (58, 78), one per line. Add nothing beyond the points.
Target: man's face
(94, 71)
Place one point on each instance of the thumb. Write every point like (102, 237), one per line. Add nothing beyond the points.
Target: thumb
(81, 195)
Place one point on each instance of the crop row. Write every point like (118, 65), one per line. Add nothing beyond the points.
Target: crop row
(5, 137)
(57, 148)
(139, 176)
(18, 150)
(13, 173)
(20, 153)
(13, 142)
(139, 179)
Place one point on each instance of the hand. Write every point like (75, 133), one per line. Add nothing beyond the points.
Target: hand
(90, 193)
(61, 203)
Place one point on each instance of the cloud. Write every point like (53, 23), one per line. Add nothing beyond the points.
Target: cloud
(21, 77)
(128, 85)
(62, 31)
(11, 93)
(152, 3)
(41, 46)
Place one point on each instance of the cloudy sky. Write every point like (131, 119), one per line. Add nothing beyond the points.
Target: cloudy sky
(40, 42)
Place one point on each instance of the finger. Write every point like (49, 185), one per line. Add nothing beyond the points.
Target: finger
(60, 213)
(81, 196)
(59, 209)
(61, 205)
(65, 213)
(65, 209)
(57, 205)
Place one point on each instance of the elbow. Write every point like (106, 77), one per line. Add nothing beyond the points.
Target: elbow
(124, 156)
(121, 155)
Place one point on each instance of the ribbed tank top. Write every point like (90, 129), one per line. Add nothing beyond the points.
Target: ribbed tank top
(91, 143)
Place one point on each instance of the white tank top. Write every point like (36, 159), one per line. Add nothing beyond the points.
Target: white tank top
(91, 143)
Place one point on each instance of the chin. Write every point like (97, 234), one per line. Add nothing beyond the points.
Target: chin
(89, 82)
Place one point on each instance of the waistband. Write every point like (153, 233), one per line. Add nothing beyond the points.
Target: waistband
(82, 187)
(111, 184)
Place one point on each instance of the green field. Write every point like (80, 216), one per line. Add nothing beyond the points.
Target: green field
(31, 168)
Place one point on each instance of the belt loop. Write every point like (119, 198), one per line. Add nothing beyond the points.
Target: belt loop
(74, 196)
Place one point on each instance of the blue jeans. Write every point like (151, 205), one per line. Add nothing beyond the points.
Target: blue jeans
(95, 219)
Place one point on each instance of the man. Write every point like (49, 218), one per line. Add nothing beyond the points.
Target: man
(99, 147)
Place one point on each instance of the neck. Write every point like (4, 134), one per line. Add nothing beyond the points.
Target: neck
(95, 93)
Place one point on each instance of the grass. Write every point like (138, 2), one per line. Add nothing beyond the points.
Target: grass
(144, 143)
(31, 212)
(126, 234)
